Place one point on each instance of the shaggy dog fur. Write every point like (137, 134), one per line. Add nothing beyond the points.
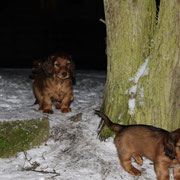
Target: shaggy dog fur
(156, 144)
(53, 82)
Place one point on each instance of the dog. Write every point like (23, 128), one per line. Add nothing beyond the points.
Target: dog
(42, 66)
(158, 145)
(52, 83)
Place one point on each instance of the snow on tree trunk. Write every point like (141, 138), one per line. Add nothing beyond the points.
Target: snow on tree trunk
(143, 79)
(160, 104)
(129, 25)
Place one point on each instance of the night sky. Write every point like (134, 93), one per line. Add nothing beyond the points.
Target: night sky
(33, 29)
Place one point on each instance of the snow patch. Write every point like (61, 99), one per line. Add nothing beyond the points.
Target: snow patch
(133, 90)
(74, 150)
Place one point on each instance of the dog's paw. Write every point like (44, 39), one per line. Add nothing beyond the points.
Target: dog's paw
(135, 171)
(65, 110)
(49, 111)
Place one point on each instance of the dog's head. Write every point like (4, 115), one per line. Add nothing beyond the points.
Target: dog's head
(59, 65)
(63, 66)
(172, 145)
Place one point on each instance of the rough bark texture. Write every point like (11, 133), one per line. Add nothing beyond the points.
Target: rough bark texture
(130, 25)
(160, 105)
(130, 40)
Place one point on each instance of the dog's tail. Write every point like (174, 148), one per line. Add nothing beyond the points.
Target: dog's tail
(113, 126)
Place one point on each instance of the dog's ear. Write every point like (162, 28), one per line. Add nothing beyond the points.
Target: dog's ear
(169, 143)
(37, 65)
(36, 68)
(72, 68)
(52, 58)
(48, 66)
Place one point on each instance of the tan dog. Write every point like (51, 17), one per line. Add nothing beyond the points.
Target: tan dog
(53, 82)
(158, 145)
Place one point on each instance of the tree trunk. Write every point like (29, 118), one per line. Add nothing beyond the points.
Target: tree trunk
(161, 103)
(130, 25)
(143, 77)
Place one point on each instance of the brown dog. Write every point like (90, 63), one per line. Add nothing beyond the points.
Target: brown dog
(158, 145)
(53, 82)
(42, 66)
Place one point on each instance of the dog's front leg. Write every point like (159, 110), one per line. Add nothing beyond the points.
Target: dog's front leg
(47, 105)
(65, 103)
(162, 171)
(176, 173)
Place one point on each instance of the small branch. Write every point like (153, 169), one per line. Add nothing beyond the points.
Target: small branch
(102, 20)
(35, 164)
(43, 156)
(42, 171)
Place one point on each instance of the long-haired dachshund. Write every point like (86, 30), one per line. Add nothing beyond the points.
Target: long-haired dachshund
(53, 82)
(158, 145)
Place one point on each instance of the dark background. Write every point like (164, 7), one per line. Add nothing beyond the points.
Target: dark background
(32, 29)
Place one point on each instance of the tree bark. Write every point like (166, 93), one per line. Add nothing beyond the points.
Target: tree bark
(161, 103)
(143, 74)
(130, 26)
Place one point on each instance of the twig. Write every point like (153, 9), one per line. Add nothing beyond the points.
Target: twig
(43, 156)
(26, 158)
(102, 20)
(42, 171)
(35, 164)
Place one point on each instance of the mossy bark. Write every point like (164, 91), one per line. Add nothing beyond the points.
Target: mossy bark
(130, 26)
(130, 41)
(161, 102)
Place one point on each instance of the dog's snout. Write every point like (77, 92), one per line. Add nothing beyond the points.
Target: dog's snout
(64, 74)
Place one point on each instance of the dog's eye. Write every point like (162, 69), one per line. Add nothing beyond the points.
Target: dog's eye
(58, 65)
(67, 64)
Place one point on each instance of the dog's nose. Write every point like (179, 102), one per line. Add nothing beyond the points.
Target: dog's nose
(64, 74)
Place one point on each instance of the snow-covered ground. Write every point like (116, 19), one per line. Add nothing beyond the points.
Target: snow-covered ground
(73, 152)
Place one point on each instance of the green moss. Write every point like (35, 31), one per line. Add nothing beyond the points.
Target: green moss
(160, 104)
(17, 136)
(130, 27)
(106, 133)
